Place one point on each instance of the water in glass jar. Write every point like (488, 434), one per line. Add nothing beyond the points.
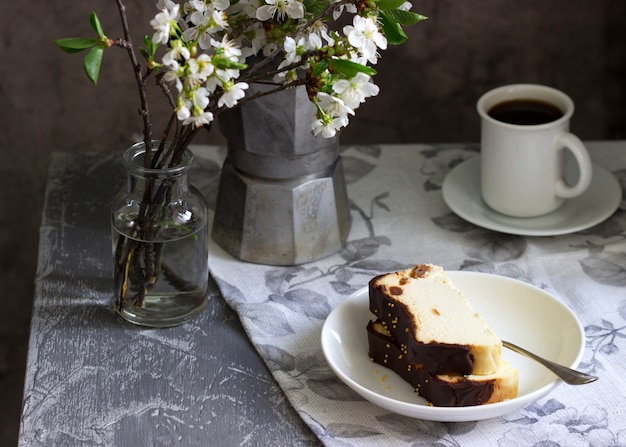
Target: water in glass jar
(162, 282)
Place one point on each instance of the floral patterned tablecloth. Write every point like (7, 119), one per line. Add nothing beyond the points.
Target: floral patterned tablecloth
(399, 219)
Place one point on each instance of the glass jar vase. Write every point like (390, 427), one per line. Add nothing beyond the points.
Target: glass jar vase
(160, 243)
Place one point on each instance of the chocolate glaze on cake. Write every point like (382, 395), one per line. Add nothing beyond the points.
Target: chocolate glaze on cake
(444, 391)
(436, 358)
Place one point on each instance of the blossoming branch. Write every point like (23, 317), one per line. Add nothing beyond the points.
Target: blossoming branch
(213, 49)
(204, 55)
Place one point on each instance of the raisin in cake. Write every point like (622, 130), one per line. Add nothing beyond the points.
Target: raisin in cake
(433, 322)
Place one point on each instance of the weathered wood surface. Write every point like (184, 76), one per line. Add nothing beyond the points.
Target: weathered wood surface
(93, 379)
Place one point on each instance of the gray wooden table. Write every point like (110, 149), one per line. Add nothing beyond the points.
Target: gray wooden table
(93, 379)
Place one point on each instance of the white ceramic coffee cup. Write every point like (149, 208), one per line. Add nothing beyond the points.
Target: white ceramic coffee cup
(523, 167)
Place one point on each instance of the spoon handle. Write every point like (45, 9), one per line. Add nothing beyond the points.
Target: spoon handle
(567, 375)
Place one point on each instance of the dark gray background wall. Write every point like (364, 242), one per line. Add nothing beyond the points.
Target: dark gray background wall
(428, 91)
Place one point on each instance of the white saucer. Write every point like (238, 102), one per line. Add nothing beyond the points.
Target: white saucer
(517, 312)
(461, 192)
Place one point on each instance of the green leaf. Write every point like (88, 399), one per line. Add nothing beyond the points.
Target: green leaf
(151, 48)
(393, 32)
(319, 68)
(92, 63)
(95, 24)
(145, 54)
(350, 69)
(315, 7)
(225, 63)
(75, 44)
(384, 5)
(403, 17)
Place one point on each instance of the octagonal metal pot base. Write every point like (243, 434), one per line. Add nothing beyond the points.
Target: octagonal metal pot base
(282, 221)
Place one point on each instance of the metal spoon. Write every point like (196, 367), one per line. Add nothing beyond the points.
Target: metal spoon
(566, 374)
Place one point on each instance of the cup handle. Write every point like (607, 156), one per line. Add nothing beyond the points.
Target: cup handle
(572, 143)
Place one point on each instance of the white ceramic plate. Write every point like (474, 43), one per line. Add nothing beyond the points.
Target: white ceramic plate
(517, 312)
(461, 192)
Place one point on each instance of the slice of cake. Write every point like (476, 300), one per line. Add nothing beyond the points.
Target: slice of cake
(433, 323)
(444, 390)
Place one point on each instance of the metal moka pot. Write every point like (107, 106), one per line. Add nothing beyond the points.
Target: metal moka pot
(282, 196)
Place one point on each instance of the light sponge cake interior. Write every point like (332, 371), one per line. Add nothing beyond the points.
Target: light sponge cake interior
(433, 322)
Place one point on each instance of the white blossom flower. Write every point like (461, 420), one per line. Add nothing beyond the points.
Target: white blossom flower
(354, 91)
(406, 6)
(192, 111)
(195, 5)
(192, 34)
(172, 76)
(357, 58)
(199, 69)
(199, 120)
(218, 21)
(182, 111)
(228, 47)
(232, 93)
(314, 41)
(328, 127)
(166, 4)
(292, 56)
(197, 10)
(196, 13)
(207, 18)
(333, 105)
(220, 78)
(318, 33)
(364, 35)
(201, 98)
(292, 8)
(332, 115)
(163, 21)
(291, 51)
(350, 7)
(178, 51)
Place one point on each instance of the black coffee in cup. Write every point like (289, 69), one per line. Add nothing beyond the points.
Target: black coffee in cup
(526, 112)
